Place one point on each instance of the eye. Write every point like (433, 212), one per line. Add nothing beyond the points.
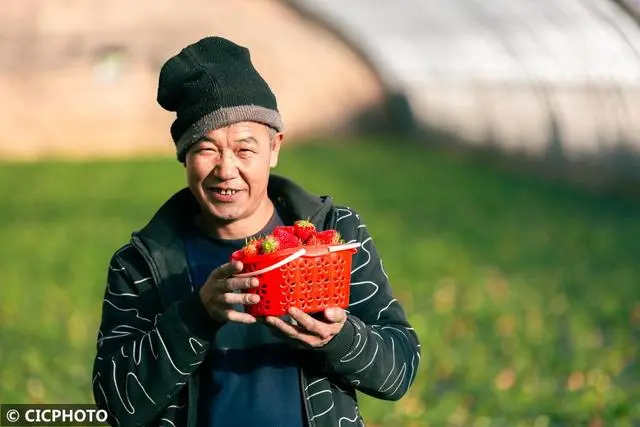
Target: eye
(206, 150)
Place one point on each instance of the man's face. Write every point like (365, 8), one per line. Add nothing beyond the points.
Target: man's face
(228, 170)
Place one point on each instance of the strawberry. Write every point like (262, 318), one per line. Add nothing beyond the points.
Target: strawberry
(270, 244)
(286, 239)
(284, 228)
(282, 232)
(237, 255)
(303, 229)
(313, 241)
(329, 237)
(251, 249)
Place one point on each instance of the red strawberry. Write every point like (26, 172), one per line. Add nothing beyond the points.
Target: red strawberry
(281, 231)
(303, 229)
(270, 244)
(251, 249)
(237, 255)
(286, 240)
(313, 241)
(329, 237)
(286, 228)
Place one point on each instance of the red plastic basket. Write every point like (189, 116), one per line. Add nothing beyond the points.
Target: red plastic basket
(310, 278)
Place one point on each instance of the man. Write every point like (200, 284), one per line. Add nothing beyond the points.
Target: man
(175, 347)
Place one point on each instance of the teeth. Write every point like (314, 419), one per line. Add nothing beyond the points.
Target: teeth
(227, 192)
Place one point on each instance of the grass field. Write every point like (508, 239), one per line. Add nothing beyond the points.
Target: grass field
(526, 294)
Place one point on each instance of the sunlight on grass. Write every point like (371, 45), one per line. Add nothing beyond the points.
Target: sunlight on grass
(526, 295)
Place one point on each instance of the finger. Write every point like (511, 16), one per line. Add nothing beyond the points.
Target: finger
(246, 299)
(226, 270)
(238, 284)
(309, 323)
(235, 284)
(335, 315)
(284, 327)
(238, 317)
(298, 337)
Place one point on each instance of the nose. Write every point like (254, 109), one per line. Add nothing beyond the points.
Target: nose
(226, 168)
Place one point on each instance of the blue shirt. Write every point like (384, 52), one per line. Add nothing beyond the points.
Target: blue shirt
(250, 378)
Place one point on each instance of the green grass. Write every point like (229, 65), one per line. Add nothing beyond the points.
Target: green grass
(525, 294)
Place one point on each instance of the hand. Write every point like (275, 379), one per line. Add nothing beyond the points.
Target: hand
(309, 331)
(218, 294)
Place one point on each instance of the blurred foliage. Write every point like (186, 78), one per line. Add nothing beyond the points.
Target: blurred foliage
(526, 294)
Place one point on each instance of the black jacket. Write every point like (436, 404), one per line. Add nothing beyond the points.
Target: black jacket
(155, 331)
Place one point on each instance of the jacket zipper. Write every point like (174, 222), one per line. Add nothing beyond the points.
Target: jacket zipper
(192, 386)
(328, 223)
(305, 402)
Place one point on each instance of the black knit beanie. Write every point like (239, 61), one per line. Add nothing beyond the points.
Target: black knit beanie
(211, 84)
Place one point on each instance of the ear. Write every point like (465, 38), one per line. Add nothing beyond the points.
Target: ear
(276, 142)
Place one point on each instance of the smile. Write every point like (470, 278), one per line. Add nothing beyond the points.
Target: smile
(225, 192)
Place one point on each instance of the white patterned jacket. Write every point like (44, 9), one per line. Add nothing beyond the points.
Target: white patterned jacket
(155, 332)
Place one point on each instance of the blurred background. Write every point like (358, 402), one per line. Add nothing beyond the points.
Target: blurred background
(497, 147)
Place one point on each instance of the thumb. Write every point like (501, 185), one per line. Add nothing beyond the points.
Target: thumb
(335, 315)
(226, 270)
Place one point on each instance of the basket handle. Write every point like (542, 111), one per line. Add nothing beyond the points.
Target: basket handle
(278, 264)
(345, 247)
